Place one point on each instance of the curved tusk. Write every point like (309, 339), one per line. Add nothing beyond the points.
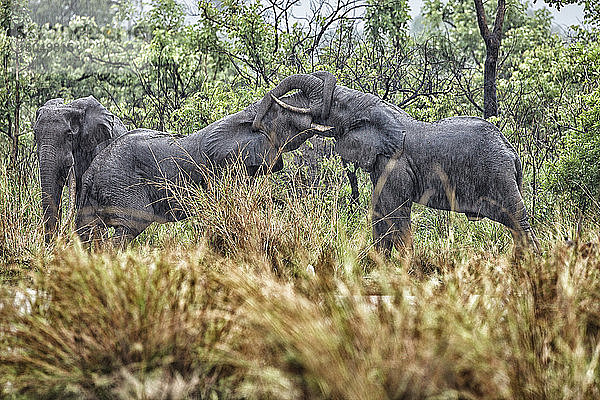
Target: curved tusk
(291, 108)
(321, 128)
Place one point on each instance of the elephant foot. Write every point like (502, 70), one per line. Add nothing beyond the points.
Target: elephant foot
(524, 242)
(403, 244)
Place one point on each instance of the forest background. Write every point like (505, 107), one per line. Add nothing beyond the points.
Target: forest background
(274, 290)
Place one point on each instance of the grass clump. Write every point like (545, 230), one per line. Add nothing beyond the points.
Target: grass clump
(479, 328)
(257, 220)
(117, 326)
(21, 235)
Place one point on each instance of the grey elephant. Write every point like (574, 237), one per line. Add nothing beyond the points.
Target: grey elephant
(463, 164)
(127, 185)
(68, 136)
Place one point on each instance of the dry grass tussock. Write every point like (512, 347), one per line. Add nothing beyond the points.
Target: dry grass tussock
(275, 297)
(256, 219)
(117, 326)
(201, 325)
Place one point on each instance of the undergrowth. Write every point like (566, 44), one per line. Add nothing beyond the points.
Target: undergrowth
(272, 290)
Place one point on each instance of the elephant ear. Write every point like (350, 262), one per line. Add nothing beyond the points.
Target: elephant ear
(98, 124)
(232, 137)
(353, 147)
(362, 146)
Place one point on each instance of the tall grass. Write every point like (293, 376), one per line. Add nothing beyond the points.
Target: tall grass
(117, 326)
(272, 292)
(21, 234)
(260, 219)
(178, 325)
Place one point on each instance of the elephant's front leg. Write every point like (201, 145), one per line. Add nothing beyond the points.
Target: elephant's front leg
(391, 205)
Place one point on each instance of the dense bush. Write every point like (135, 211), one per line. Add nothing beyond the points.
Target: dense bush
(576, 176)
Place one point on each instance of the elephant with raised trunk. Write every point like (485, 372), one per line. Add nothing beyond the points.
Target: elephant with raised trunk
(68, 136)
(127, 184)
(463, 164)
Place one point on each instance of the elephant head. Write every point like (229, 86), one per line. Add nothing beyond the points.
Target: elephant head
(69, 135)
(363, 125)
(263, 131)
(289, 121)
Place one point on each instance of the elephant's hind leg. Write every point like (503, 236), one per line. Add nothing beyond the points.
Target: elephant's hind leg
(129, 217)
(122, 237)
(525, 237)
(513, 215)
(89, 226)
(521, 230)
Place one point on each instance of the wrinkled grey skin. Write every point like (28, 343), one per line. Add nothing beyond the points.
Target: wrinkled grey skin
(126, 184)
(463, 164)
(69, 135)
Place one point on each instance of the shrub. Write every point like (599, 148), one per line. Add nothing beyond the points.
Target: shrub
(575, 178)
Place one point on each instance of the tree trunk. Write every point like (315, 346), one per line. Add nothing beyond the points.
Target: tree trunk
(493, 40)
(490, 101)
(5, 22)
(13, 97)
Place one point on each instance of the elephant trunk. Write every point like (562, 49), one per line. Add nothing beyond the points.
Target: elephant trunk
(52, 179)
(329, 82)
(311, 85)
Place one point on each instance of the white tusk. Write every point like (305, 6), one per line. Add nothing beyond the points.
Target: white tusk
(291, 108)
(320, 128)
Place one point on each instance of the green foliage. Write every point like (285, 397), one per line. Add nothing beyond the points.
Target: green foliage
(15, 46)
(387, 19)
(462, 50)
(559, 92)
(591, 8)
(240, 30)
(576, 175)
(170, 67)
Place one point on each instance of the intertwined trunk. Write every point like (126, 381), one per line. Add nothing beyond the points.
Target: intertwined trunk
(493, 40)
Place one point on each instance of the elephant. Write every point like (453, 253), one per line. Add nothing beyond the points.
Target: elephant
(462, 164)
(126, 185)
(69, 136)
